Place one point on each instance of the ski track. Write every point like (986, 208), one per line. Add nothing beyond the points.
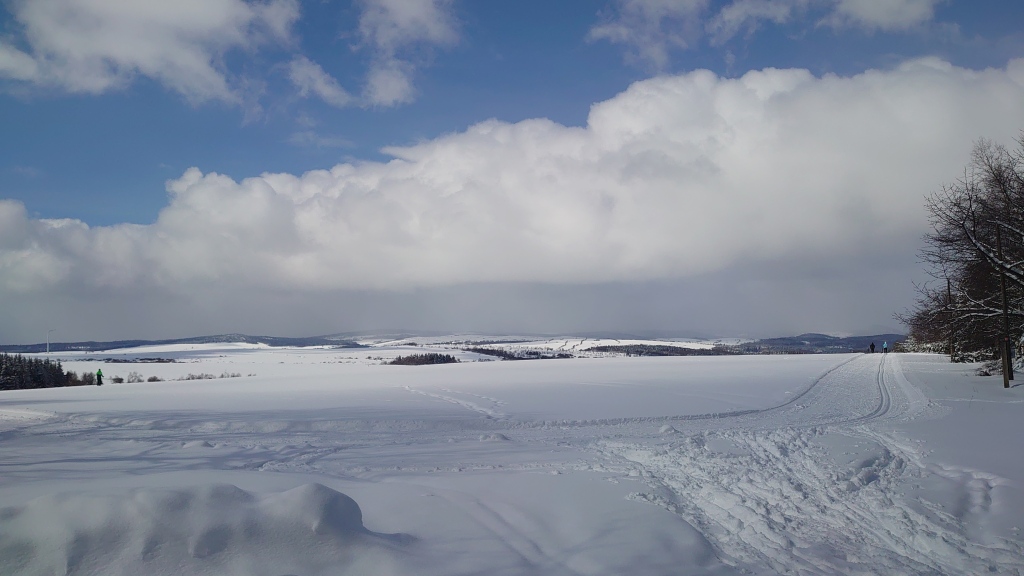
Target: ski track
(469, 405)
(776, 498)
(760, 485)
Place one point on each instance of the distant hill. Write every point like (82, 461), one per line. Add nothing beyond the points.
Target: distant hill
(335, 341)
(822, 343)
(802, 344)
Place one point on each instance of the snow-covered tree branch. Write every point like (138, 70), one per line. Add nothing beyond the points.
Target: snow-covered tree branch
(977, 241)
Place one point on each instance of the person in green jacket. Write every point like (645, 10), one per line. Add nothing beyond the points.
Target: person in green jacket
(99, 377)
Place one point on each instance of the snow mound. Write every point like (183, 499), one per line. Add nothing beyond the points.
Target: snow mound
(217, 529)
(197, 444)
(667, 429)
(496, 437)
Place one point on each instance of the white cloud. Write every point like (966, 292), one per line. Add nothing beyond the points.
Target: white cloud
(885, 15)
(310, 78)
(400, 33)
(677, 176)
(748, 14)
(651, 27)
(392, 25)
(93, 46)
(389, 84)
(313, 139)
(17, 65)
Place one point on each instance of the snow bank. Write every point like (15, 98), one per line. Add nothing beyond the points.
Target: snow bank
(214, 529)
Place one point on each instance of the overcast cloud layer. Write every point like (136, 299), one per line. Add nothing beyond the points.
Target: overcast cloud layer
(678, 176)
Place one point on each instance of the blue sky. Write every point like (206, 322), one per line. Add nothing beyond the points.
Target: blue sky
(101, 106)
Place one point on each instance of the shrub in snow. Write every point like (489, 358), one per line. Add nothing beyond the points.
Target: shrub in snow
(989, 368)
(198, 377)
(205, 376)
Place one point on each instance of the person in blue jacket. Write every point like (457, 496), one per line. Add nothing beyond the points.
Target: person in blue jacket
(885, 347)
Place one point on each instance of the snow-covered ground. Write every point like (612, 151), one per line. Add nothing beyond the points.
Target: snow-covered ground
(324, 461)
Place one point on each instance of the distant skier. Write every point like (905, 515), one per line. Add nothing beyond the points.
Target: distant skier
(872, 347)
(885, 347)
(99, 377)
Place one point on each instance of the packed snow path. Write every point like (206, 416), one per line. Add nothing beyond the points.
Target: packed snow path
(774, 470)
(767, 489)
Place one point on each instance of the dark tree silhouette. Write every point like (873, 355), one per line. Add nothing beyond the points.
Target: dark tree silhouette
(18, 372)
(975, 248)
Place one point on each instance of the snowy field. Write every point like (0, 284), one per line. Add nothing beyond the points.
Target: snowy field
(326, 462)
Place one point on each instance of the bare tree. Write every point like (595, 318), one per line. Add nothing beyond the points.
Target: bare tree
(975, 253)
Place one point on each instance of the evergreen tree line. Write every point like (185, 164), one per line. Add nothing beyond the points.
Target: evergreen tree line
(975, 253)
(18, 372)
(423, 359)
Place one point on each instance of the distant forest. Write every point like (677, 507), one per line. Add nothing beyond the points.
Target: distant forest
(332, 341)
(424, 359)
(19, 373)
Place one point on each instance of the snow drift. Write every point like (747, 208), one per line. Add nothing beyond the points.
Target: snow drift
(214, 529)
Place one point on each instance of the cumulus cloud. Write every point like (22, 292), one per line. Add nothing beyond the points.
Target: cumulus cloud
(678, 176)
(399, 34)
(93, 46)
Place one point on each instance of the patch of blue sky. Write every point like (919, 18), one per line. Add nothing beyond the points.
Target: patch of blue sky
(103, 158)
